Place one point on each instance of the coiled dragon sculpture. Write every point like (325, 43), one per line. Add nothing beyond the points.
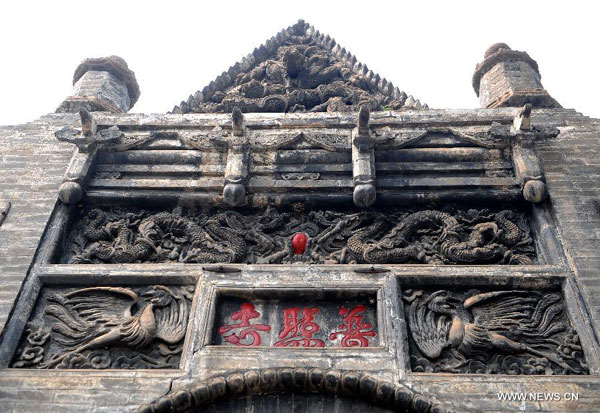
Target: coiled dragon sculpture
(396, 236)
(487, 242)
(116, 242)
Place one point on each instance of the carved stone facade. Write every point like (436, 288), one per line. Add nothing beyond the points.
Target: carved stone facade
(296, 235)
(106, 328)
(351, 250)
(298, 70)
(495, 332)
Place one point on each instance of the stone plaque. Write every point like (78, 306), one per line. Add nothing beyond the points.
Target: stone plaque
(491, 332)
(297, 234)
(276, 320)
(106, 328)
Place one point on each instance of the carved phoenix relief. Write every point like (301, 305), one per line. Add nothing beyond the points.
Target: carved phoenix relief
(107, 327)
(497, 332)
(272, 236)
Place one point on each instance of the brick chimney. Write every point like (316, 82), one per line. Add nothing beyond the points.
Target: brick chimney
(102, 84)
(509, 77)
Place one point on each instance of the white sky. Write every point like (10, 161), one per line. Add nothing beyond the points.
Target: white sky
(428, 49)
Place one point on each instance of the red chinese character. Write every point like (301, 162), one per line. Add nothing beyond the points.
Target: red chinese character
(246, 313)
(354, 331)
(299, 333)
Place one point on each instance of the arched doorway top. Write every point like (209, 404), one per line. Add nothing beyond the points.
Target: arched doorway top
(339, 383)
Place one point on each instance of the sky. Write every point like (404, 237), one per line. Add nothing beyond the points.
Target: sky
(427, 48)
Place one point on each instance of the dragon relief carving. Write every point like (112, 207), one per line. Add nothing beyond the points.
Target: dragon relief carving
(270, 236)
(497, 332)
(107, 327)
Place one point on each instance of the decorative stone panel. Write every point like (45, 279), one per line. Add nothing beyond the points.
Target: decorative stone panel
(491, 331)
(299, 234)
(102, 327)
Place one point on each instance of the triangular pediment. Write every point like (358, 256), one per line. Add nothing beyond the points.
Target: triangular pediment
(298, 70)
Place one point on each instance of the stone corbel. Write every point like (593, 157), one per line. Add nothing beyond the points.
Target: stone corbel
(236, 170)
(363, 162)
(87, 140)
(89, 137)
(528, 168)
(71, 190)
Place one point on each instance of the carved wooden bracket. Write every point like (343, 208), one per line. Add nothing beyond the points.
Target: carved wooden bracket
(363, 162)
(236, 169)
(528, 168)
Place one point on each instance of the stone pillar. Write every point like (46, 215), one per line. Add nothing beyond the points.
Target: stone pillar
(508, 77)
(102, 84)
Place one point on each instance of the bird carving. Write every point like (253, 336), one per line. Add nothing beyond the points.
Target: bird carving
(506, 321)
(96, 317)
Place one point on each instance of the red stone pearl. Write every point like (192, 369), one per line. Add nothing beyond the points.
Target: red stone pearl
(299, 241)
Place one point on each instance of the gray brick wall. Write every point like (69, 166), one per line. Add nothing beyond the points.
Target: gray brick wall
(572, 167)
(32, 164)
(32, 391)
